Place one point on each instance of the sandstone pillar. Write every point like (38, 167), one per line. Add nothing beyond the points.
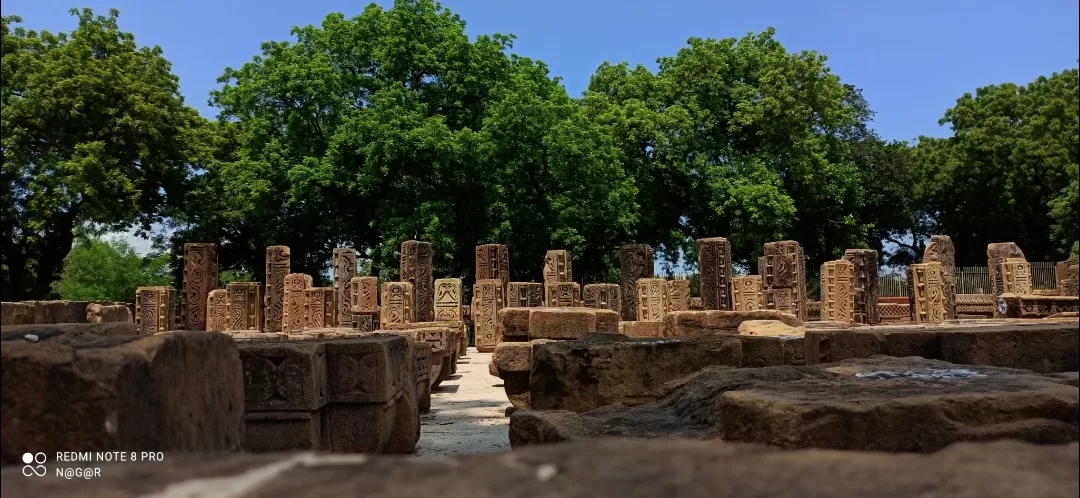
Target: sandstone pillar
(417, 269)
(678, 295)
(603, 296)
(926, 285)
(558, 267)
(1068, 277)
(245, 306)
(635, 261)
(364, 301)
(200, 277)
(488, 299)
(784, 277)
(652, 299)
(996, 253)
(493, 262)
(321, 311)
(941, 249)
(524, 294)
(865, 284)
(562, 294)
(278, 265)
(714, 270)
(217, 310)
(344, 271)
(746, 293)
(155, 309)
(1015, 276)
(448, 300)
(294, 302)
(398, 303)
(837, 296)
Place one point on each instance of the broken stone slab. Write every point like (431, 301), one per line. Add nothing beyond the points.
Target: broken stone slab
(89, 392)
(512, 362)
(245, 336)
(1044, 346)
(768, 328)
(68, 330)
(719, 322)
(1003, 469)
(642, 330)
(441, 340)
(47, 312)
(605, 369)
(453, 342)
(556, 323)
(1036, 306)
(98, 313)
(878, 404)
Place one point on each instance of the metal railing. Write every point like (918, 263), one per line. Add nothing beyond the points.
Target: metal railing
(972, 280)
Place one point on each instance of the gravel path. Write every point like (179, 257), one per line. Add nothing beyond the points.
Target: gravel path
(467, 412)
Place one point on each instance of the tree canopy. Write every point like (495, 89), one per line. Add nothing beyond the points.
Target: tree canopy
(108, 270)
(394, 124)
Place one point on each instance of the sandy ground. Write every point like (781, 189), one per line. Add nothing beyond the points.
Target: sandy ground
(467, 412)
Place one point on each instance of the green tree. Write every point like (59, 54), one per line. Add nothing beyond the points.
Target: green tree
(1009, 171)
(737, 138)
(393, 125)
(99, 270)
(94, 131)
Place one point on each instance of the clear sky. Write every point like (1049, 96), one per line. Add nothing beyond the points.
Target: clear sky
(912, 59)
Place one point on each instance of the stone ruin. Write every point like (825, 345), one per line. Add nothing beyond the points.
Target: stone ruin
(774, 381)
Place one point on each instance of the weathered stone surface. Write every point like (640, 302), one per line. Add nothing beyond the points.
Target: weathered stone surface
(397, 305)
(99, 313)
(881, 404)
(604, 296)
(714, 267)
(975, 304)
(605, 369)
(246, 336)
(493, 263)
(155, 310)
(344, 272)
(514, 324)
(1015, 274)
(783, 277)
(894, 312)
(90, 391)
(443, 339)
(200, 277)
(652, 299)
(417, 269)
(524, 294)
(696, 304)
(570, 323)
(837, 293)
(47, 312)
(941, 250)
(768, 328)
(1068, 277)
(642, 329)
(865, 283)
(996, 253)
(217, 310)
(245, 305)
(678, 467)
(926, 282)
(746, 293)
(1032, 306)
(448, 300)
(51, 330)
(278, 265)
(364, 294)
(558, 267)
(1040, 345)
(635, 261)
(320, 308)
(488, 299)
(294, 303)
(562, 294)
(813, 311)
(365, 322)
(771, 351)
(678, 295)
(284, 376)
(714, 322)
(512, 357)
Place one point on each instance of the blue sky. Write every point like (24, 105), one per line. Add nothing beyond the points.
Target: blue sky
(912, 59)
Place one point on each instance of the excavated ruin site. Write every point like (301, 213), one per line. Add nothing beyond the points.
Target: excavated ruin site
(741, 387)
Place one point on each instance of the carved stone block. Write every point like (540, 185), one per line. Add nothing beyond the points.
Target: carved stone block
(364, 294)
(557, 267)
(321, 312)
(245, 305)
(344, 271)
(200, 277)
(365, 322)
(941, 249)
(652, 299)
(1015, 276)
(927, 297)
(278, 265)
(996, 253)
(398, 305)
(784, 277)
(696, 304)
(365, 370)
(813, 311)
(284, 375)
(1068, 274)
(493, 262)
(1031, 306)
(448, 300)
(155, 309)
(488, 299)
(894, 312)
(294, 309)
(524, 294)
(837, 297)
(865, 284)
(714, 267)
(562, 294)
(975, 304)
(417, 269)
(635, 261)
(747, 293)
(678, 295)
(604, 296)
(217, 310)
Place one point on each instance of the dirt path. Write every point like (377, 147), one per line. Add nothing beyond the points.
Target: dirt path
(467, 412)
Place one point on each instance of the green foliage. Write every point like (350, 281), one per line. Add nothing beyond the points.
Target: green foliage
(99, 270)
(94, 131)
(1009, 172)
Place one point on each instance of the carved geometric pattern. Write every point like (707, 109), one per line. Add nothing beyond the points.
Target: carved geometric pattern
(278, 265)
(493, 262)
(245, 305)
(975, 304)
(397, 303)
(448, 300)
(557, 266)
(200, 277)
(155, 310)
(635, 261)
(678, 295)
(487, 301)
(783, 275)
(364, 294)
(813, 311)
(365, 322)
(894, 312)
(927, 298)
(563, 294)
(1068, 274)
(746, 293)
(267, 379)
(865, 281)
(344, 271)
(941, 249)
(319, 302)
(416, 268)
(837, 298)
(524, 294)
(603, 296)
(997, 252)
(217, 310)
(714, 267)
(652, 299)
(294, 309)
(1015, 274)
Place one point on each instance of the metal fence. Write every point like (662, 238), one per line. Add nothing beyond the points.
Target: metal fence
(972, 280)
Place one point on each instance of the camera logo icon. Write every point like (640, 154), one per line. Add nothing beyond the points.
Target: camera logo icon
(34, 463)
